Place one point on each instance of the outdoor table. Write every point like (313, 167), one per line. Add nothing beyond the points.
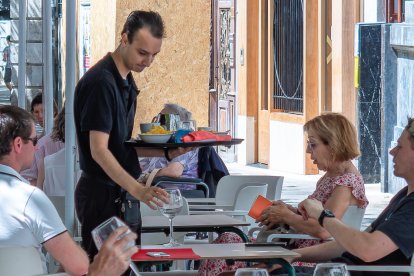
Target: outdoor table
(194, 223)
(233, 251)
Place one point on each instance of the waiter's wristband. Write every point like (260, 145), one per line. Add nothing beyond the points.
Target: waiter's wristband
(166, 154)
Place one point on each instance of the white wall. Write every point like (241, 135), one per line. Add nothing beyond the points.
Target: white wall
(373, 11)
(286, 147)
(245, 151)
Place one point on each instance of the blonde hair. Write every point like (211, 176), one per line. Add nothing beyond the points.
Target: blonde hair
(336, 131)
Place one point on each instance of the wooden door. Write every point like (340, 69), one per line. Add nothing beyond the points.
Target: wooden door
(222, 74)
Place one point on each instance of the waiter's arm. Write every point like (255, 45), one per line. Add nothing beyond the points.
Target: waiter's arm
(106, 160)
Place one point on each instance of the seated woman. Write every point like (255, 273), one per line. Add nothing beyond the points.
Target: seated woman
(388, 240)
(183, 166)
(46, 145)
(332, 144)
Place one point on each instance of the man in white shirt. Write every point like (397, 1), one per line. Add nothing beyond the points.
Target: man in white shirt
(27, 217)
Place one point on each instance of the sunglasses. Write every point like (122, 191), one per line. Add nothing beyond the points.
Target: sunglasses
(34, 140)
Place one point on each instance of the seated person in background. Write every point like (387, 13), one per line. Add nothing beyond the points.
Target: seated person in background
(51, 176)
(29, 219)
(185, 165)
(36, 108)
(388, 240)
(332, 144)
(47, 145)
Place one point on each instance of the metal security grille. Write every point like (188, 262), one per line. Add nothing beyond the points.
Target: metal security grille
(288, 56)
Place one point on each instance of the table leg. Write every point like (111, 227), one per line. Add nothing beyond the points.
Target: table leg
(286, 265)
(235, 230)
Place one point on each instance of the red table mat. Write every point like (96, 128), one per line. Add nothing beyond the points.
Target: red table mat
(175, 254)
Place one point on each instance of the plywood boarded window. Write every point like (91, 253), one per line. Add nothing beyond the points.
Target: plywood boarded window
(288, 56)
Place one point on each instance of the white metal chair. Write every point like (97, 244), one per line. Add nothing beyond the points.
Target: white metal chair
(243, 201)
(237, 204)
(275, 183)
(20, 261)
(229, 185)
(352, 217)
(59, 203)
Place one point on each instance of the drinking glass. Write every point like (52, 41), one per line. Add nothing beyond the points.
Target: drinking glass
(330, 269)
(190, 125)
(105, 229)
(251, 272)
(170, 210)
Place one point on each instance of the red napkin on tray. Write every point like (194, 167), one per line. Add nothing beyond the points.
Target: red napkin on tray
(204, 136)
(175, 253)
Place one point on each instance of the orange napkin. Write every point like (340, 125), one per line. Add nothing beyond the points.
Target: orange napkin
(204, 136)
(258, 206)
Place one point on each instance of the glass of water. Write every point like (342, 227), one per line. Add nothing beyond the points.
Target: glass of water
(190, 125)
(170, 210)
(105, 229)
(330, 269)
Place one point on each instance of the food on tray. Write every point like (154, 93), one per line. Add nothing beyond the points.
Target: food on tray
(158, 130)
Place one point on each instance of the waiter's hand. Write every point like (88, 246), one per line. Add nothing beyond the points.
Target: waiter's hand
(152, 196)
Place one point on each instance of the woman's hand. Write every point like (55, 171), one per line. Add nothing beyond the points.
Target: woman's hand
(274, 215)
(173, 153)
(310, 208)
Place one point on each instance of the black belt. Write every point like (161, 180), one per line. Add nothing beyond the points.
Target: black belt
(95, 178)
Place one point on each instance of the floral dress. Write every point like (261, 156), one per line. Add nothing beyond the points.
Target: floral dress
(323, 191)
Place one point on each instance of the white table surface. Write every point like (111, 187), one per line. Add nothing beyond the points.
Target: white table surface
(236, 251)
(193, 221)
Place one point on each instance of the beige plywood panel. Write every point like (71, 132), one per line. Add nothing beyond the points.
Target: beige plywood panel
(180, 72)
(103, 23)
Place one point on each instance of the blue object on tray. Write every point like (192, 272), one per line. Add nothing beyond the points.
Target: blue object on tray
(181, 133)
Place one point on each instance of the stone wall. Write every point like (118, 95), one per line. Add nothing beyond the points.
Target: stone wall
(402, 42)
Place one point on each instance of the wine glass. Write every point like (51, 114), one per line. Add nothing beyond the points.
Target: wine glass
(250, 271)
(330, 269)
(170, 210)
(190, 125)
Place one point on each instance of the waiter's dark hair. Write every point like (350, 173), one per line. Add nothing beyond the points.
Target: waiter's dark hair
(137, 20)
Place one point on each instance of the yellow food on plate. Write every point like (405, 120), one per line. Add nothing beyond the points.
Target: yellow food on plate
(158, 130)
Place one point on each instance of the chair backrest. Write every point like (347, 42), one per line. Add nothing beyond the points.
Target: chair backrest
(229, 185)
(245, 198)
(175, 182)
(353, 217)
(54, 183)
(20, 261)
(248, 194)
